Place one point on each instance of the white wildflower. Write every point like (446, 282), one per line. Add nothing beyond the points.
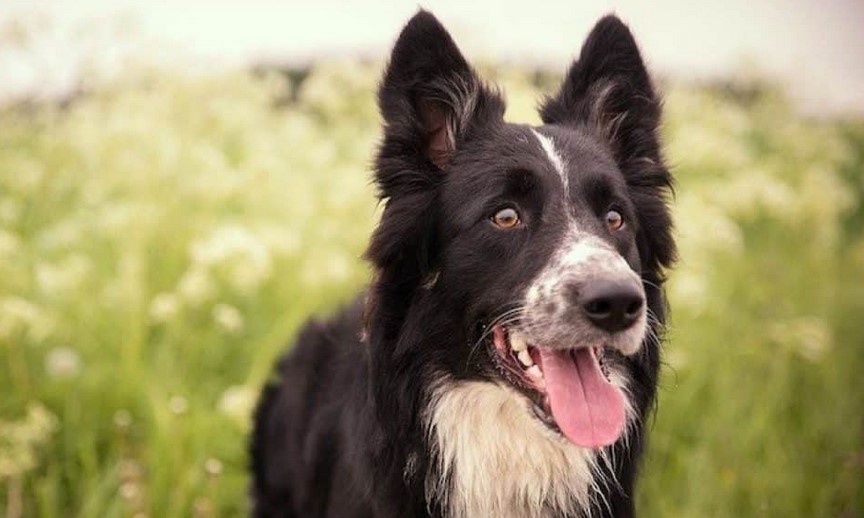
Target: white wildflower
(63, 362)
(61, 236)
(689, 289)
(22, 440)
(334, 268)
(178, 405)
(164, 307)
(115, 217)
(63, 278)
(808, 336)
(213, 467)
(130, 491)
(228, 318)
(234, 251)
(18, 315)
(196, 286)
(338, 268)
(281, 240)
(706, 229)
(237, 402)
(755, 190)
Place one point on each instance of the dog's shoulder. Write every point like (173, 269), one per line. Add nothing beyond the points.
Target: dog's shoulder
(323, 341)
(298, 412)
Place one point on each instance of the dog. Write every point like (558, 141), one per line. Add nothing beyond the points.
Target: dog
(505, 355)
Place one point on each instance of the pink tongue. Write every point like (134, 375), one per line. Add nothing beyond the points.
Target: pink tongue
(588, 409)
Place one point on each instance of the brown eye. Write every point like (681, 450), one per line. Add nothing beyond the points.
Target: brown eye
(506, 218)
(614, 220)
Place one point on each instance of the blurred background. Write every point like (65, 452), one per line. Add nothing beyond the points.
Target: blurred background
(183, 183)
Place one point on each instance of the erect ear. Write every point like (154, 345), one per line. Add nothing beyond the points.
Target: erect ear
(430, 99)
(609, 88)
(432, 102)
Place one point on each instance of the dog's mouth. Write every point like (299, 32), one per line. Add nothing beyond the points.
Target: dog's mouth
(569, 389)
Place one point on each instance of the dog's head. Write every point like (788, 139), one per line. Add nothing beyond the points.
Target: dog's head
(547, 243)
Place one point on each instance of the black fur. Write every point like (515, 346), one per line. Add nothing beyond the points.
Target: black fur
(337, 426)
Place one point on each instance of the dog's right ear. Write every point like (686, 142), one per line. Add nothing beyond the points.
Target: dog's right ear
(608, 88)
(430, 99)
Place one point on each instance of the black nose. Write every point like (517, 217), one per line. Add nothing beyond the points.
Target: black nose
(612, 304)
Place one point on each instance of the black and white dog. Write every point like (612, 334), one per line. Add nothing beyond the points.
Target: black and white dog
(506, 354)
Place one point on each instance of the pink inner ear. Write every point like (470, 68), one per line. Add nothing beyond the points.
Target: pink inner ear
(438, 146)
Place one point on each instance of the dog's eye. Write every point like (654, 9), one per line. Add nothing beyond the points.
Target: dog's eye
(614, 220)
(506, 218)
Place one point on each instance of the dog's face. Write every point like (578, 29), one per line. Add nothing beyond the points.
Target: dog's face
(545, 238)
(539, 240)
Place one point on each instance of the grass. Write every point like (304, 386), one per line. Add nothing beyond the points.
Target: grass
(162, 238)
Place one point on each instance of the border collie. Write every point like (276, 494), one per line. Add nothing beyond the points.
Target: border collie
(505, 356)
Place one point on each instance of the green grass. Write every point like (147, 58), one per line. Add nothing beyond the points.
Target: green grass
(162, 239)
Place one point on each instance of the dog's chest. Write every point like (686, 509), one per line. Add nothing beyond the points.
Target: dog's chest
(492, 458)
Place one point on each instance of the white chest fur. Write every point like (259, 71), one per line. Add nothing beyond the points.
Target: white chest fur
(495, 459)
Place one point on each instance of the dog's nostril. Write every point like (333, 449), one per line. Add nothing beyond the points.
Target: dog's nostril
(612, 304)
(598, 307)
(634, 307)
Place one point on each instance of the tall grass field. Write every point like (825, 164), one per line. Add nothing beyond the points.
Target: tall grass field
(162, 237)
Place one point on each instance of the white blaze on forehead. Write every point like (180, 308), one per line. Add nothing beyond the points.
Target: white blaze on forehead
(549, 148)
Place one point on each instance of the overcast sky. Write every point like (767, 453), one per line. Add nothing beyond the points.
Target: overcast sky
(817, 47)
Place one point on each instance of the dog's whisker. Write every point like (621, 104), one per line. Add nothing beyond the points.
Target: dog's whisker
(652, 284)
(507, 317)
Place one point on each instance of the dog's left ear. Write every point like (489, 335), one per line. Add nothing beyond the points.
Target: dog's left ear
(609, 88)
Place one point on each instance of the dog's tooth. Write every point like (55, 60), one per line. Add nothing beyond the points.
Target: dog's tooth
(517, 341)
(525, 357)
(536, 376)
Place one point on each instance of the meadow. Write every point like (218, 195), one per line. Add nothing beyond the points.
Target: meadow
(162, 237)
